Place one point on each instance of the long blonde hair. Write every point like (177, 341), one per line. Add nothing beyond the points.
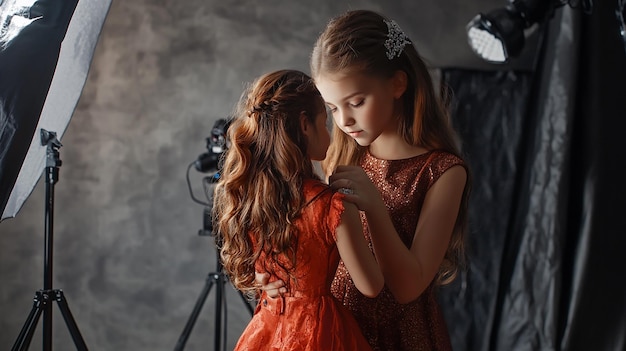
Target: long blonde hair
(259, 193)
(354, 43)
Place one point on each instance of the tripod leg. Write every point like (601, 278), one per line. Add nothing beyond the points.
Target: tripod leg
(69, 321)
(218, 310)
(182, 340)
(47, 321)
(221, 304)
(26, 334)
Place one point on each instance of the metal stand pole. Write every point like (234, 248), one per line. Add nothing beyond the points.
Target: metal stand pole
(43, 298)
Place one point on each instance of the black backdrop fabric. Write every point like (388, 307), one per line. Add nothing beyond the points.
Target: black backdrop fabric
(492, 135)
(547, 237)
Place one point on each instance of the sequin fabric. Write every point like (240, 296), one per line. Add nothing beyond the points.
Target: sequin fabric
(386, 324)
(308, 317)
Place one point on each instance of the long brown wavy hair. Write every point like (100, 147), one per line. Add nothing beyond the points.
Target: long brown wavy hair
(354, 43)
(259, 192)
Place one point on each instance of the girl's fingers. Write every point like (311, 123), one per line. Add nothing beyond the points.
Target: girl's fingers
(261, 279)
(274, 289)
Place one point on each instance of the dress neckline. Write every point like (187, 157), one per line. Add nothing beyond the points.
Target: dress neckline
(370, 156)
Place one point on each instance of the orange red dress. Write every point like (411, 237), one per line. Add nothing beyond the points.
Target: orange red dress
(308, 317)
(386, 324)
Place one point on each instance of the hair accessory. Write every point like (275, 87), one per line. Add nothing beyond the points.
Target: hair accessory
(396, 39)
(264, 107)
(254, 110)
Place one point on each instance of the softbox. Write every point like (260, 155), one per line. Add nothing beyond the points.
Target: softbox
(46, 48)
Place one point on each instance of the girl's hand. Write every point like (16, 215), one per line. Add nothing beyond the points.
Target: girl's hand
(359, 189)
(273, 289)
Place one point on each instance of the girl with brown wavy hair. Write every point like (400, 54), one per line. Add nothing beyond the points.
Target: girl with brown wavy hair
(393, 146)
(273, 213)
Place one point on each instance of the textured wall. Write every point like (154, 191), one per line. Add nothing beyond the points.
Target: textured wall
(127, 253)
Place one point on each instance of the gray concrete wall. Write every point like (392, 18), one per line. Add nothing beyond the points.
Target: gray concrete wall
(127, 252)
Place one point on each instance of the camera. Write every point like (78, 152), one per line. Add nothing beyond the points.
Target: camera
(216, 146)
(209, 162)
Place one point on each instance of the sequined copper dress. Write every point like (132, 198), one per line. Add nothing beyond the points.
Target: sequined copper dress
(308, 317)
(386, 324)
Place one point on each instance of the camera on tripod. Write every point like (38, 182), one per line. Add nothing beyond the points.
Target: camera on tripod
(209, 162)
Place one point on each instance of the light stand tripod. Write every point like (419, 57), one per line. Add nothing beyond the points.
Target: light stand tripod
(218, 278)
(43, 298)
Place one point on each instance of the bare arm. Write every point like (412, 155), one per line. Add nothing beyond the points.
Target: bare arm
(407, 271)
(356, 255)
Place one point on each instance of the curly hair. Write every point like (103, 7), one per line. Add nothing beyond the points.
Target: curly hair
(354, 43)
(259, 193)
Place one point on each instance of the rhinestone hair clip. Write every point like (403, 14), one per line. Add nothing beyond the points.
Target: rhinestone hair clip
(396, 39)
